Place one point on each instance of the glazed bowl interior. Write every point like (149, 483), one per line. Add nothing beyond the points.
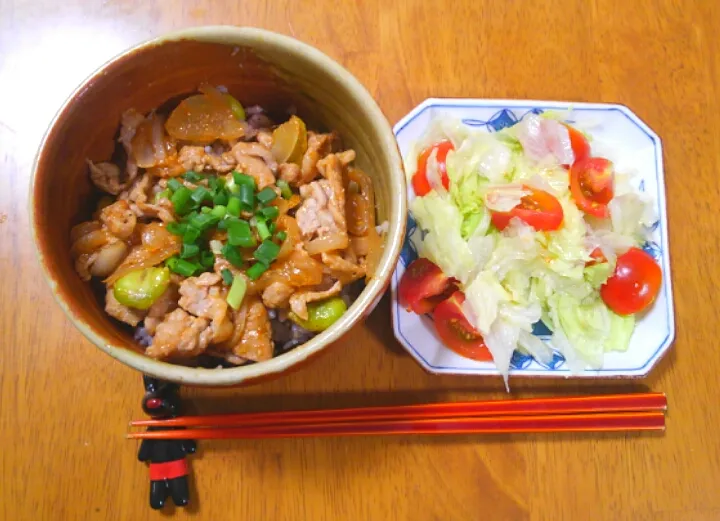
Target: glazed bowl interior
(257, 67)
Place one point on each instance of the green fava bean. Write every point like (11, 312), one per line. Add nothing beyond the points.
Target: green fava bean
(321, 315)
(140, 289)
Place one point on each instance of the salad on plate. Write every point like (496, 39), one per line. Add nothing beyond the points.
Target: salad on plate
(524, 225)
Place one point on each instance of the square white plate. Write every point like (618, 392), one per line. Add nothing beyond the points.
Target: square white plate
(632, 146)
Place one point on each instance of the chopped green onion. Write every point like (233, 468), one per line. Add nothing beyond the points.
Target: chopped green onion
(176, 228)
(233, 206)
(227, 276)
(231, 186)
(220, 197)
(266, 195)
(191, 234)
(247, 196)
(181, 200)
(237, 292)
(262, 229)
(281, 236)
(223, 225)
(256, 270)
(205, 209)
(203, 221)
(207, 259)
(192, 176)
(189, 250)
(181, 266)
(174, 185)
(165, 194)
(219, 211)
(232, 255)
(242, 179)
(271, 212)
(239, 234)
(285, 190)
(272, 227)
(220, 182)
(267, 252)
(235, 107)
(201, 194)
(186, 218)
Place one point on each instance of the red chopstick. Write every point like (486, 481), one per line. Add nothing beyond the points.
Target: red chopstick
(595, 422)
(521, 407)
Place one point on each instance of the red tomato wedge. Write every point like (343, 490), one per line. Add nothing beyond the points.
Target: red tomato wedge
(420, 181)
(634, 284)
(540, 210)
(423, 286)
(591, 185)
(455, 330)
(579, 143)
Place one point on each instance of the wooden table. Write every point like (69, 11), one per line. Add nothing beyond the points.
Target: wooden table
(64, 405)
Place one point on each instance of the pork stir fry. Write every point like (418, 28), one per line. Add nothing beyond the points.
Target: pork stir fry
(223, 234)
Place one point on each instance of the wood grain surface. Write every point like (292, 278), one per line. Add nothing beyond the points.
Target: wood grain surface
(64, 405)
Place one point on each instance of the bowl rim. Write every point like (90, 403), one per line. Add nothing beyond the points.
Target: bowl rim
(663, 347)
(371, 294)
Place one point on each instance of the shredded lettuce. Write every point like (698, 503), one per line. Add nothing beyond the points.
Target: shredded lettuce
(443, 244)
(597, 274)
(512, 279)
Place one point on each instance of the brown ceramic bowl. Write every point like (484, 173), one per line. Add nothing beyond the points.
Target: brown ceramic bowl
(258, 67)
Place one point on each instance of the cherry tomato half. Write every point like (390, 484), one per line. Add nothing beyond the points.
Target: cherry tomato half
(579, 143)
(591, 185)
(423, 286)
(634, 284)
(540, 210)
(455, 330)
(420, 182)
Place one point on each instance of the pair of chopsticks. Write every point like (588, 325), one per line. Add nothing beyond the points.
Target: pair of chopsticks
(604, 413)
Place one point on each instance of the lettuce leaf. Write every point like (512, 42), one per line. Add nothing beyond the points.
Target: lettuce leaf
(443, 244)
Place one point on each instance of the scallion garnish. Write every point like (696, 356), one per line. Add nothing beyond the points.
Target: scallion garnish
(242, 179)
(191, 234)
(176, 228)
(246, 194)
(233, 206)
(221, 197)
(207, 259)
(189, 250)
(219, 211)
(232, 255)
(267, 252)
(270, 212)
(182, 267)
(192, 176)
(237, 292)
(266, 195)
(201, 194)
(227, 276)
(174, 185)
(240, 234)
(256, 270)
(285, 190)
(261, 227)
(181, 200)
